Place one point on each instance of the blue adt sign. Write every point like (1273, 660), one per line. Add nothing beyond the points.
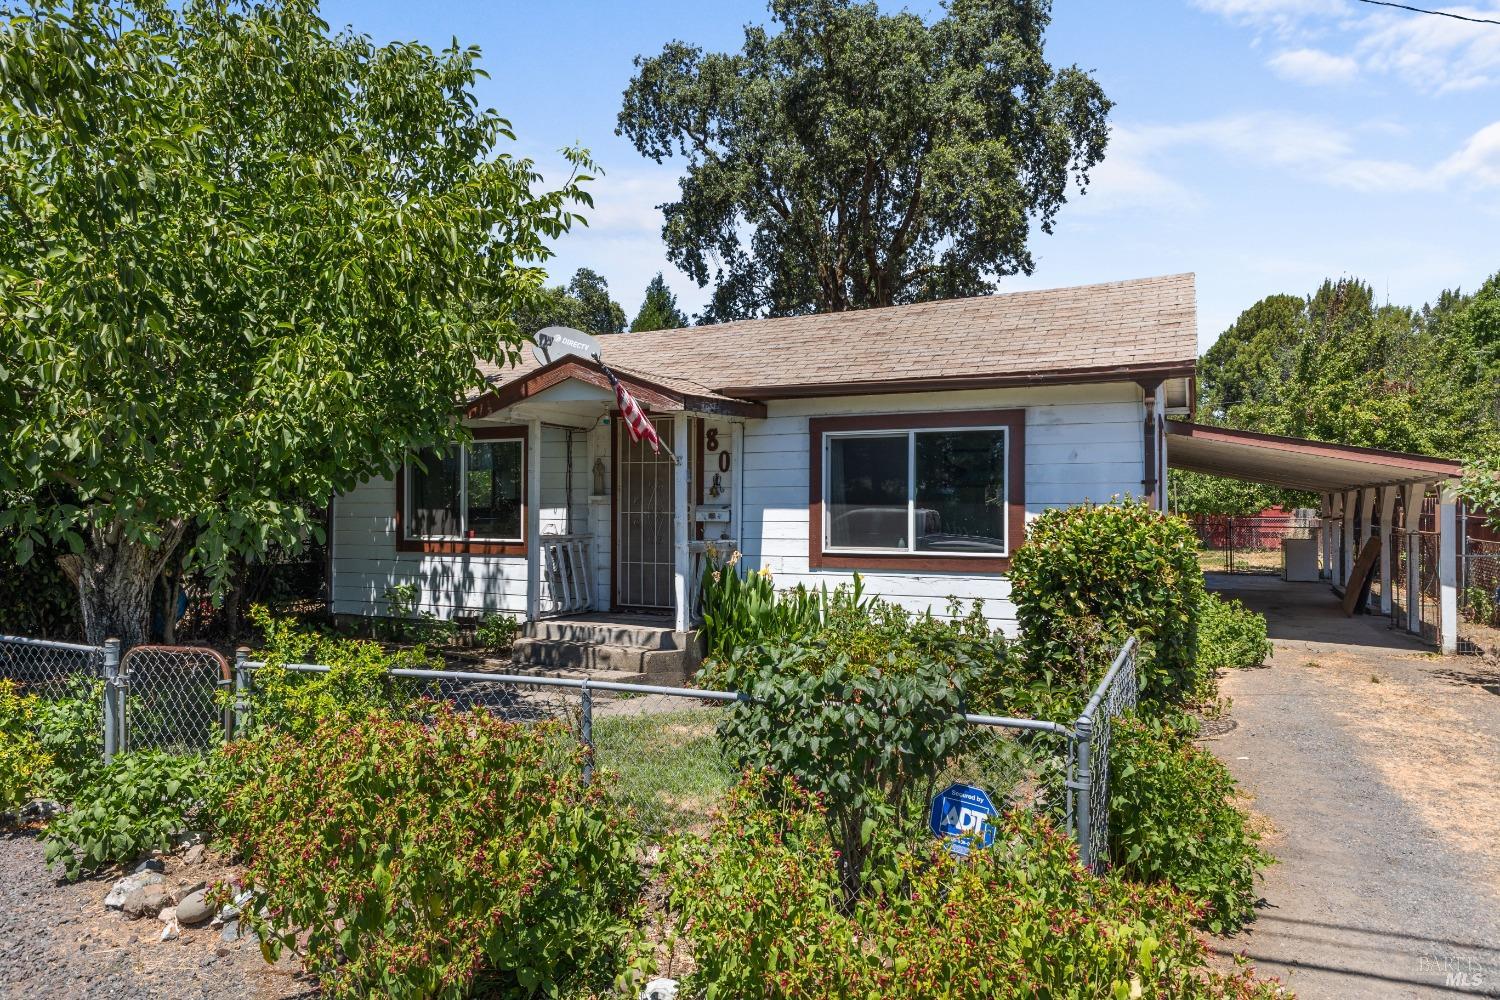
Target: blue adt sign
(960, 812)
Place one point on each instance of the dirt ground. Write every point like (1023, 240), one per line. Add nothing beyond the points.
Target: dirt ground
(1375, 767)
(57, 940)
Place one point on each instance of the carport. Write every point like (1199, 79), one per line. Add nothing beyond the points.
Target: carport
(1365, 493)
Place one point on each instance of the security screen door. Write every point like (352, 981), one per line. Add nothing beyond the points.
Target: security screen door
(644, 505)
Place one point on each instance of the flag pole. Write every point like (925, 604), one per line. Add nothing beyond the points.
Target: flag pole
(620, 390)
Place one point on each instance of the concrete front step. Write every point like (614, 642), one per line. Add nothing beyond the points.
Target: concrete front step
(594, 659)
(637, 631)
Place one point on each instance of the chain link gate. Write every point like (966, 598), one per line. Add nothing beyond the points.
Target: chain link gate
(170, 698)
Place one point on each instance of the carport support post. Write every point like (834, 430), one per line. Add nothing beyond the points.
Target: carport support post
(1367, 499)
(1325, 536)
(1387, 511)
(1447, 568)
(1346, 564)
(1412, 512)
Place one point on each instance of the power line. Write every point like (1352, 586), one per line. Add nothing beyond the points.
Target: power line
(1436, 13)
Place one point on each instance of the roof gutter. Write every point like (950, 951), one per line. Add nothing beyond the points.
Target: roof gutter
(950, 383)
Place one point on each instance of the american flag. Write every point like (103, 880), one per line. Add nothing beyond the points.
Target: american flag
(635, 419)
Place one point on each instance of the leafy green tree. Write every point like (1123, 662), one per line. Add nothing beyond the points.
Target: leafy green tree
(856, 159)
(583, 304)
(1338, 366)
(659, 309)
(244, 265)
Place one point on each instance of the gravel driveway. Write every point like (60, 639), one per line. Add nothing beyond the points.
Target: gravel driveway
(1376, 765)
(58, 942)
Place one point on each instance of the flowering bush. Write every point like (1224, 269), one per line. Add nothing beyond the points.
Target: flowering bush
(1172, 818)
(431, 859)
(757, 901)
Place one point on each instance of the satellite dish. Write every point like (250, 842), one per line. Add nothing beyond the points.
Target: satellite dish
(554, 342)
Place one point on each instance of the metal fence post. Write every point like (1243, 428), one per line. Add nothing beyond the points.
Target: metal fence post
(240, 720)
(113, 716)
(1083, 736)
(586, 731)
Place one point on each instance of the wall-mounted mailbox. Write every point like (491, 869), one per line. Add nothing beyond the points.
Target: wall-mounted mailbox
(712, 513)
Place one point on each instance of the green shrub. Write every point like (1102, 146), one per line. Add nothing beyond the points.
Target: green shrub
(70, 729)
(868, 727)
(357, 684)
(1173, 819)
(126, 810)
(1100, 572)
(23, 762)
(431, 859)
(1230, 635)
(497, 631)
(758, 901)
(742, 610)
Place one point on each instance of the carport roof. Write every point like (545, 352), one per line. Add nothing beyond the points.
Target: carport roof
(1296, 463)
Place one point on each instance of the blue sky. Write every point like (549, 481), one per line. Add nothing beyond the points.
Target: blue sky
(1264, 144)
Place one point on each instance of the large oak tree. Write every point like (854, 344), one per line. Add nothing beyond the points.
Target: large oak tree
(853, 158)
(244, 264)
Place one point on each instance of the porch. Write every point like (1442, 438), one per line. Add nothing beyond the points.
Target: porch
(617, 534)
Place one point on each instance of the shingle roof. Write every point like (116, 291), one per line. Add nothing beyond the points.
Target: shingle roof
(1142, 326)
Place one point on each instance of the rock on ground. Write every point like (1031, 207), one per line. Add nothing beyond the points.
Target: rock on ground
(58, 941)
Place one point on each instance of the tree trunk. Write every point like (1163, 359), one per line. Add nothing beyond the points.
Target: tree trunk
(115, 577)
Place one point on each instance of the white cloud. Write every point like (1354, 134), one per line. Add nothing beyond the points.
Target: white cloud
(1278, 15)
(1439, 54)
(1311, 149)
(1313, 66)
(1434, 54)
(1478, 162)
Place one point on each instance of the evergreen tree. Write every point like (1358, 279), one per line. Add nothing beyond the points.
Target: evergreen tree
(659, 309)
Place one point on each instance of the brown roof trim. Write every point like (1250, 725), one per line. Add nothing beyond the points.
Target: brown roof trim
(1438, 467)
(948, 383)
(652, 396)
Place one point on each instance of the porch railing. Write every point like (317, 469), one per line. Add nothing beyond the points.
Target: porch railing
(566, 566)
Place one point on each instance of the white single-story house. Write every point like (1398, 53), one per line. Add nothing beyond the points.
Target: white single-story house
(910, 444)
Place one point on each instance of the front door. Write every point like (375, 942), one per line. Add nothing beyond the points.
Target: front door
(644, 505)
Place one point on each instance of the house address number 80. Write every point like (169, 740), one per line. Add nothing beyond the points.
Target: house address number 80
(711, 443)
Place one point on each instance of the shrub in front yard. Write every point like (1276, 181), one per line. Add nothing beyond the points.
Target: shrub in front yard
(431, 859)
(1173, 819)
(126, 810)
(1230, 635)
(1116, 569)
(757, 901)
(357, 684)
(867, 726)
(23, 762)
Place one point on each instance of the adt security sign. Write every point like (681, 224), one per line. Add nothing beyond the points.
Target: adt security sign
(960, 813)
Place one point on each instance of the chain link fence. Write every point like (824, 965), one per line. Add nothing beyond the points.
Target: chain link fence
(1249, 544)
(659, 745)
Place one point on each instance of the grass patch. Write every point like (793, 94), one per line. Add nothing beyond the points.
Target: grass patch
(670, 767)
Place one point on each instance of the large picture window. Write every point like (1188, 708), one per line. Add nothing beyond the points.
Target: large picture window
(466, 498)
(935, 491)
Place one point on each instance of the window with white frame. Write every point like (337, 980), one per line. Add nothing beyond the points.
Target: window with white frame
(930, 491)
(473, 492)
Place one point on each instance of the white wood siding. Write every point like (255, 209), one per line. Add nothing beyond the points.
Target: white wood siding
(366, 563)
(1082, 443)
